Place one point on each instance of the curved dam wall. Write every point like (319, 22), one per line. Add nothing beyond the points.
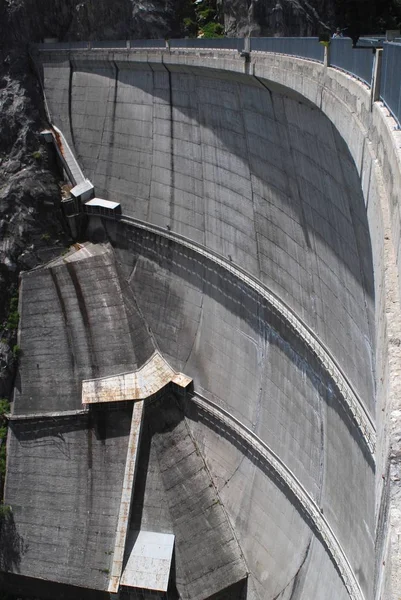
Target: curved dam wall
(281, 166)
(239, 354)
(254, 175)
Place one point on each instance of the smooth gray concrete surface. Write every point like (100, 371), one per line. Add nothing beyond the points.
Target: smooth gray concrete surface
(64, 485)
(286, 559)
(176, 495)
(206, 323)
(76, 323)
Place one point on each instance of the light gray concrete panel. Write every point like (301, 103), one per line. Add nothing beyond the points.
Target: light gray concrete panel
(288, 412)
(74, 326)
(66, 528)
(260, 511)
(208, 557)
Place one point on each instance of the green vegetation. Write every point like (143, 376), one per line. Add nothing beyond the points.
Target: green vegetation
(4, 408)
(5, 511)
(213, 30)
(202, 19)
(37, 155)
(13, 314)
(45, 237)
(16, 352)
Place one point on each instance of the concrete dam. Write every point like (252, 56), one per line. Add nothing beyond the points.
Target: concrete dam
(206, 399)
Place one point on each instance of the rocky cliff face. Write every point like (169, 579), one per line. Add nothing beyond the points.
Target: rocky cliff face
(92, 19)
(277, 17)
(120, 19)
(31, 227)
(30, 219)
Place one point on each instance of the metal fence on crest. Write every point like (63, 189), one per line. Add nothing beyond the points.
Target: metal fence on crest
(390, 85)
(303, 47)
(212, 43)
(356, 61)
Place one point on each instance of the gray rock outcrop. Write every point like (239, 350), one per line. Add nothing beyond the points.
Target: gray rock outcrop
(277, 18)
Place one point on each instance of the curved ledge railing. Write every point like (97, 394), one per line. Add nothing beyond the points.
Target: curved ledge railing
(355, 405)
(390, 86)
(310, 506)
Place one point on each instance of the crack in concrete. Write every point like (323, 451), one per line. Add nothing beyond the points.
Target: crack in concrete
(295, 580)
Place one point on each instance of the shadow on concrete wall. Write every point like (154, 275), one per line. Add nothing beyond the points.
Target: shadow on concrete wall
(226, 289)
(223, 430)
(12, 545)
(46, 431)
(237, 591)
(167, 87)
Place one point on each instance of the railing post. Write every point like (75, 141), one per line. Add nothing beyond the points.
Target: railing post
(376, 77)
(327, 55)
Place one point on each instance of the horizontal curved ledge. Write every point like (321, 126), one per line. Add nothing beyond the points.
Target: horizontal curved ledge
(355, 405)
(47, 415)
(146, 381)
(312, 509)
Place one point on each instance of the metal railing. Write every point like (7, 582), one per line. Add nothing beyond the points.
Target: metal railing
(111, 44)
(390, 85)
(209, 43)
(288, 317)
(308, 503)
(63, 46)
(146, 44)
(303, 47)
(355, 61)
